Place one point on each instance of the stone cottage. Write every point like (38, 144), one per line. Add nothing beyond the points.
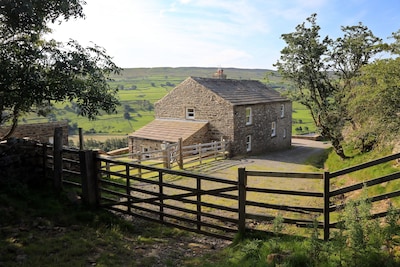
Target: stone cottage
(252, 117)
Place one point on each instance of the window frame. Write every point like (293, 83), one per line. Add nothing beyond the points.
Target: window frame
(273, 129)
(249, 117)
(282, 110)
(248, 143)
(190, 115)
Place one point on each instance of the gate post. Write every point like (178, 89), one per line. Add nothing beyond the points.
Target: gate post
(326, 205)
(89, 171)
(242, 200)
(57, 158)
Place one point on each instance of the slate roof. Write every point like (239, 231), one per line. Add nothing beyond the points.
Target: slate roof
(169, 130)
(241, 92)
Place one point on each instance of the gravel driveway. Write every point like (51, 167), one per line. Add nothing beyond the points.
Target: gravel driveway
(290, 160)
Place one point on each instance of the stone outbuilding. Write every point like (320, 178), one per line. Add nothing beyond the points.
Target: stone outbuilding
(252, 117)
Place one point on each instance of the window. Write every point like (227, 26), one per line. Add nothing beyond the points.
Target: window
(282, 110)
(190, 113)
(284, 133)
(248, 143)
(273, 128)
(249, 116)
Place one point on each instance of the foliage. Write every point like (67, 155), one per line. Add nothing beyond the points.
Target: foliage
(374, 104)
(35, 72)
(322, 71)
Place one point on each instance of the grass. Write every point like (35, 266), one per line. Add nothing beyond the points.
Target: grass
(39, 228)
(140, 86)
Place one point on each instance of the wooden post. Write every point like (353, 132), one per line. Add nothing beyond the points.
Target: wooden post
(164, 157)
(161, 194)
(139, 160)
(44, 158)
(200, 152)
(180, 154)
(198, 202)
(57, 158)
(128, 188)
(326, 206)
(80, 139)
(90, 184)
(168, 156)
(242, 200)
(215, 147)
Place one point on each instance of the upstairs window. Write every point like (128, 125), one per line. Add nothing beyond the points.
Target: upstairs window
(273, 129)
(190, 113)
(282, 110)
(249, 116)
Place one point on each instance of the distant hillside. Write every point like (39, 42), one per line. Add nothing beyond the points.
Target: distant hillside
(184, 72)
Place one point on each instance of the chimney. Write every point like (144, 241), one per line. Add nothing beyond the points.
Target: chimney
(219, 74)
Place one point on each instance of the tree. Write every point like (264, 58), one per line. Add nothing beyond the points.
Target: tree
(35, 72)
(374, 103)
(322, 71)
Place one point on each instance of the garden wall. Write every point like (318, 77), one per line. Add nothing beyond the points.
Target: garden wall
(42, 132)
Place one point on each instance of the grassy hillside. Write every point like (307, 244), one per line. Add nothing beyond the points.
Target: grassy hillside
(140, 88)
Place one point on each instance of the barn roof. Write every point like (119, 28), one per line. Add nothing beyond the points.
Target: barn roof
(168, 130)
(241, 92)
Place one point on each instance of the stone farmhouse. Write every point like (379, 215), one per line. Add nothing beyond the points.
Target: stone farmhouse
(252, 117)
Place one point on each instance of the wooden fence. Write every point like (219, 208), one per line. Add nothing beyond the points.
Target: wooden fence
(177, 155)
(205, 204)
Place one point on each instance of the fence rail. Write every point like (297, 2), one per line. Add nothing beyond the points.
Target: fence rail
(177, 155)
(205, 204)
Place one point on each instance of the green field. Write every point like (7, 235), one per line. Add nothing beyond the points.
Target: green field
(140, 88)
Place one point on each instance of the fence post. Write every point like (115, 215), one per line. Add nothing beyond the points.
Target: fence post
(242, 200)
(80, 139)
(180, 153)
(161, 194)
(139, 161)
(198, 200)
(326, 206)
(44, 151)
(215, 147)
(128, 188)
(89, 172)
(57, 158)
(200, 152)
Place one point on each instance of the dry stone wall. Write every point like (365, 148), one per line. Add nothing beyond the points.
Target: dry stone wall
(20, 162)
(42, 132)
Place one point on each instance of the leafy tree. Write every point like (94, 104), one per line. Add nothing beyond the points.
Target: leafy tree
(374, 103)
(322, 71)
(35, 72)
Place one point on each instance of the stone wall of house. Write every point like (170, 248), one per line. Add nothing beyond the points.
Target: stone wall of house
(42, 132)
(207, 106)
(260, 129)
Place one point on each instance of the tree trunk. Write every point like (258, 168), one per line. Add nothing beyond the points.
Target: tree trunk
(337, 146)
(12, 127)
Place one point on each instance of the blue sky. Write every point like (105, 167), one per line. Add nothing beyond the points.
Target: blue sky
(215, 33)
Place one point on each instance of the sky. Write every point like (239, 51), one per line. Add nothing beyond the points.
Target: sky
(215, 33)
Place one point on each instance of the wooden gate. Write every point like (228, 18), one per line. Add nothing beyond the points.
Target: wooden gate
(189, 201)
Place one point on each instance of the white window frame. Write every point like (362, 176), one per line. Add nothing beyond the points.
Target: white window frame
(282, 110)
(190, 113)
(249, 116)
(273, 129)
(248, 143)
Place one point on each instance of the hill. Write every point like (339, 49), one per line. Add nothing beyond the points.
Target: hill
(140, 88)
